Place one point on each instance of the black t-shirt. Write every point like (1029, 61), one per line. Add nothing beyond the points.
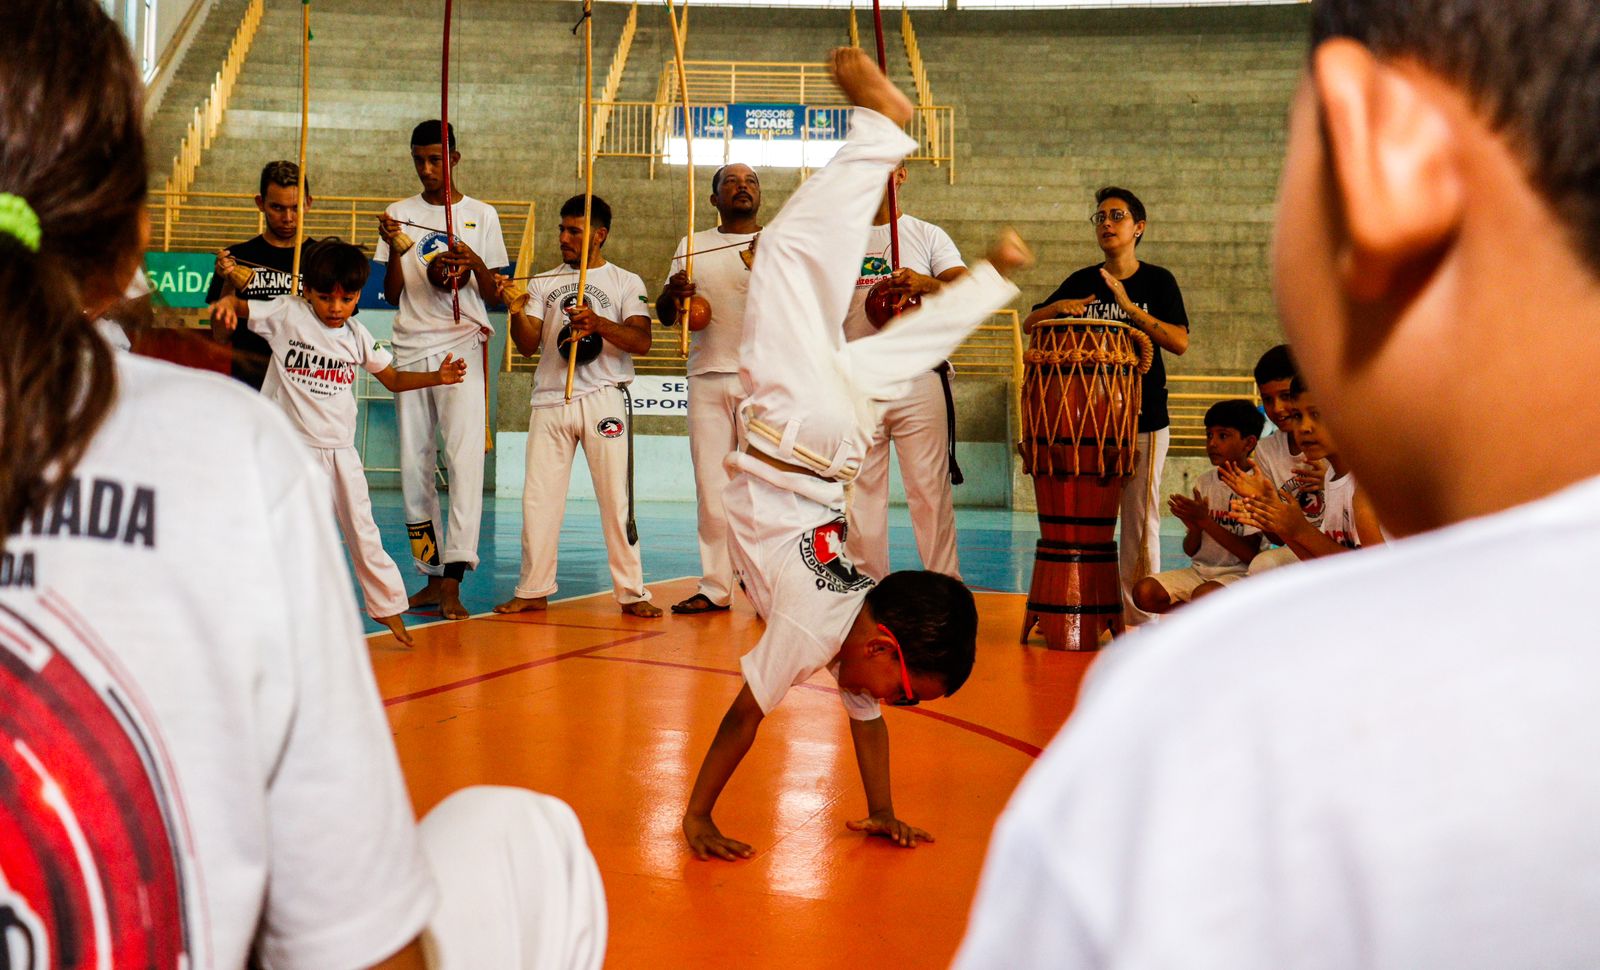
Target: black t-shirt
(251, 353)
(1153, 290)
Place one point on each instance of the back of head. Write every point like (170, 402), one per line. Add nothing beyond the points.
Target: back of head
(1532, 67)
(1276, 364)
(72, 156)
(934, 618)
(432, 133)
(1238, 414)
(599, 211)
(331, 263)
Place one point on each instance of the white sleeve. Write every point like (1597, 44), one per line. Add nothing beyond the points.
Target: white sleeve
(347, 883)
(942, 252)
(266, 315)
(635, 302)
(380, 253)
(677, 259)
(373, 359)
(494, 241)
(787, 654)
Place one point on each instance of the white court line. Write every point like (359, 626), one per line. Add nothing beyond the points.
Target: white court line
(479, 616)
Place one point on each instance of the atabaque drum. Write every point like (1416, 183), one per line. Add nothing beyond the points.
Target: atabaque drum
(1080, 414)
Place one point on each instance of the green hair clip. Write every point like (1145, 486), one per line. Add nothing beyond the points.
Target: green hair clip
(18, 220)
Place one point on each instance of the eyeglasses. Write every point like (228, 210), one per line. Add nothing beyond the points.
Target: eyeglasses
(909, 698)
(1116, 215)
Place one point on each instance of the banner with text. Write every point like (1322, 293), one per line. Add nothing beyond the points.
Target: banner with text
(660, 395)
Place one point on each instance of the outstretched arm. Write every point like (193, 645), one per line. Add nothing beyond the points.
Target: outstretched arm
(734, 736)
(451, 371)
(872, 757)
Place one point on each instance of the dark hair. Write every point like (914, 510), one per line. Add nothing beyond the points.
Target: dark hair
(1297, 386)
(282, 173)
(1135, 207)
(935, 620)
(599, 212)
(72, 147)
(332, 262)
(1238, 414)
(431, 133)
(1532, 68)
(1276, 364)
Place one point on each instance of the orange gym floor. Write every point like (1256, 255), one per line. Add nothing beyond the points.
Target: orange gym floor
(612, 714)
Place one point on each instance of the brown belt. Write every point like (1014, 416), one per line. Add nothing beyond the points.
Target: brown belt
(782, 465)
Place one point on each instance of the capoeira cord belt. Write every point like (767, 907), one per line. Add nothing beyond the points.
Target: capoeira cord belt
(800, 455)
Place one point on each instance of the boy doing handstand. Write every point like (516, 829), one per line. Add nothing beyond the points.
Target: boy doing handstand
(317, 343)
(1218, 544)
(811, 409)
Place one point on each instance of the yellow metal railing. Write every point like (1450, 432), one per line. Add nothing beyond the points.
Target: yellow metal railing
(619, 63)
(208, 221)
(1189, 396)
(919, 80)
(207, 119)
(780, 82)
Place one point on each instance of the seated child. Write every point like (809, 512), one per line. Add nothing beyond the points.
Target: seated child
(1348, 519)
(813, 405)
(317, 343)
(1219, 546)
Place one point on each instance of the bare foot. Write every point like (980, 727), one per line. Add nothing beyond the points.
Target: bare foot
(450, 600)
(427, 595)
(643, 608)
(863, 84)
(1008, 253)
(397, 626)
(523, 604)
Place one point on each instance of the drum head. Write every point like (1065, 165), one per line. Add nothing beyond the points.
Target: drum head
(588, 345)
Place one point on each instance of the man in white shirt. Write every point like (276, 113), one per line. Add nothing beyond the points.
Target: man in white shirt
(921, 424)
(426, 330)
(605, 332)
(722, 278)
(1378, 759)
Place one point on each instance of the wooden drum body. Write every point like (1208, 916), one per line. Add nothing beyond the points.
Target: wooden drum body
(1080, 413)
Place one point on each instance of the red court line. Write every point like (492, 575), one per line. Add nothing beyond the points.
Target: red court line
(518, 668)
(1031, 750)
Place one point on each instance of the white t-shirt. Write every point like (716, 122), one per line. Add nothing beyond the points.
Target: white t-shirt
(1404, 782)
(313, 372)
(1218, 498)
(924, 248)
(191, 576)
(1339, 516)
(723, 278)
(424, 324)
(616, 295)
(1275, 460)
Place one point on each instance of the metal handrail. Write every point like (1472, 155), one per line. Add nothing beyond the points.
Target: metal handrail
(206, 121)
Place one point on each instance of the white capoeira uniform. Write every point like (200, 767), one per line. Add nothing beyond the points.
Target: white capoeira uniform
(312, 377)
(715, 393)
(184, 612)
(1211, 563)
(596, 419)
(425, 331)
(918, 424)
(814, 401)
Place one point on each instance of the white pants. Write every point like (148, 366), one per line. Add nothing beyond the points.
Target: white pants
(1139, 549)
(518, 887)
(820, 392)
(596, 421)
(1274, 558)
(381, 585)
(455, 414)
(918, 424)
(713, 433)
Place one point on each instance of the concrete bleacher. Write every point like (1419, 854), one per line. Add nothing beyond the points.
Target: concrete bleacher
(1185, 106)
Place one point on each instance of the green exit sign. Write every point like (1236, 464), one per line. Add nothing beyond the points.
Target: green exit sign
(180, 279)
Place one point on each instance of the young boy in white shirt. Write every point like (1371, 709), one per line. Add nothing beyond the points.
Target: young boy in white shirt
(317, 344)
(1219, 545)
(813, 404)
(1278, 461)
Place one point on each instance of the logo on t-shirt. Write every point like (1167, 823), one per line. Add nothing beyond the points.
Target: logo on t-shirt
(822, 550)
(320, 375)
(873, 268)
(609, 428)
(430, 246)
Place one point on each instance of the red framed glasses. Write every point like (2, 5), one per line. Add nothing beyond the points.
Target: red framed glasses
(909, 698)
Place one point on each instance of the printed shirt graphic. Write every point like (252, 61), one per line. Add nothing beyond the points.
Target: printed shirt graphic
(1339, 518)
(723, 279)
(615, 294)
(1273, 459)
(1217, 497)
(424, 323)
(924, 248)
(313, 371)
(184, 614)
(1152, 289)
